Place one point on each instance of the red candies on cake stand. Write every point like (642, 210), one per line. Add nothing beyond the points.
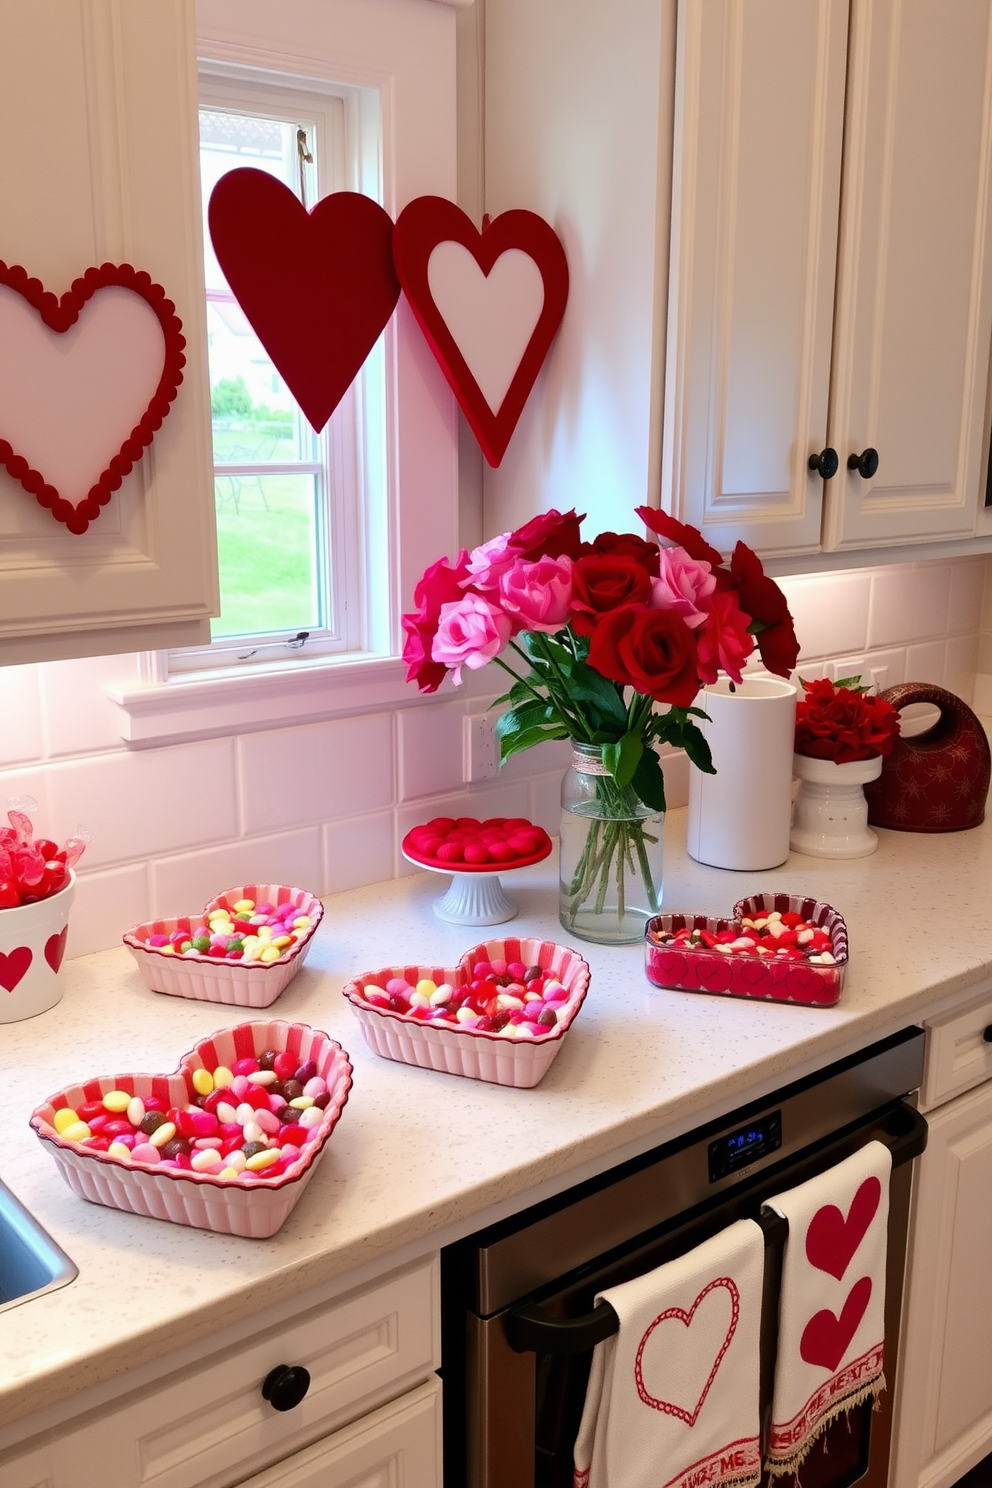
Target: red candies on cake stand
(475, 853)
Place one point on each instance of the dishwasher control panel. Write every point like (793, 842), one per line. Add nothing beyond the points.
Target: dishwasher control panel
(741, 1148)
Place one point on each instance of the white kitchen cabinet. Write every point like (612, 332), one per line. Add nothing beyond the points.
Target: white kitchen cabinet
(830, 278)
(98, 118)
(944, 1397)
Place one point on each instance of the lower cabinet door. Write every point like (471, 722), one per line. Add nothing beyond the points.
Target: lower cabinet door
(397, 1446)
(944, 1405)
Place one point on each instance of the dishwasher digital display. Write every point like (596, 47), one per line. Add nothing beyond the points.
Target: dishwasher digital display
(740, 1148)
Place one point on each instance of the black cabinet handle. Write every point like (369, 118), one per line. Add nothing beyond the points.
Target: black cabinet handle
(865, 464)
(987, 1035)
(825, 463)
(285, 1386)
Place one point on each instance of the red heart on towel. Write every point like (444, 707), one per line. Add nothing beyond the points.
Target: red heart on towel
(826, 1337)
(13, 966)
(55, 948)
(679, 1315)
(831, 1240)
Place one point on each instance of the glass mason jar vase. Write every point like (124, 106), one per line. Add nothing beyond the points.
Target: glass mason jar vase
(610, 855)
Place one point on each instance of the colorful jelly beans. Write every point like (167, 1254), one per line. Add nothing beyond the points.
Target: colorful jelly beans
(498, 997)
(782, 936)
(245, 932)
(251, 1121)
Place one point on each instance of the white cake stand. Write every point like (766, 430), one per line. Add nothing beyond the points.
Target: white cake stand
(476, 896)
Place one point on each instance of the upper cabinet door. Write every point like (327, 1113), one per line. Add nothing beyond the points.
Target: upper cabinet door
(758, 134)
(99, 163)
(914, 310)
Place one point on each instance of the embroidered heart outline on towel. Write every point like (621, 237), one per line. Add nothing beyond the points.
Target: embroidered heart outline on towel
(431, 225)
(831, 1240)
(99, 341)
(679, 1313)
(318, 287)
(826, 1337)
(14, 966)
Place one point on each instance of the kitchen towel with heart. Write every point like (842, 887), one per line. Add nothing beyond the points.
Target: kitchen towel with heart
(673, 1395)
(831, 1326)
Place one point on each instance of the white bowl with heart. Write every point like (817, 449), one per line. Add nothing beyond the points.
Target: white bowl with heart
(32, 948)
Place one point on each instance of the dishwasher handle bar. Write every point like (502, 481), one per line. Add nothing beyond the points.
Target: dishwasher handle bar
(529, 1330)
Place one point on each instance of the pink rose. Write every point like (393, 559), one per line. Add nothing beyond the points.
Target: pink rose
(488, 563)
(538, 596)
(724, 643)
(441, 584)
(471, 633)
(683, 585)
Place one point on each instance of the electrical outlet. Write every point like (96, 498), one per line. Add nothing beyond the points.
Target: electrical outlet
(479, 758)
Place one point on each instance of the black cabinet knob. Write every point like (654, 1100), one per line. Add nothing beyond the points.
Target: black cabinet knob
(987, 1035)
(285, 1386)
(826, 462)
(865, 464)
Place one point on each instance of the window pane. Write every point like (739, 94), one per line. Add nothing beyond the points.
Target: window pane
(267, 532)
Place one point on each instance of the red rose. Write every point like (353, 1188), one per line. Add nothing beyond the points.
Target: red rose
(627, 545)
(653, 651)
(762, 599)
(723, 642)
(604, 582)
(553, 534)
(441, 584)
(689, 538)
(843, 724)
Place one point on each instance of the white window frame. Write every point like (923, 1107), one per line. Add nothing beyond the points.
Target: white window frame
(401, 53)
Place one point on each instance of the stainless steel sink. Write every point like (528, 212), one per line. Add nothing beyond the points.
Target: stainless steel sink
(30, 1261)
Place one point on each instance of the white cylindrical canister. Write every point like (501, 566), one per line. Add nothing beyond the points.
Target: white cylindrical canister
(740, 817)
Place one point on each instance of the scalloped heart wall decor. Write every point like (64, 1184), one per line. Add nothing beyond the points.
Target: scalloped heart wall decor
(85, 383)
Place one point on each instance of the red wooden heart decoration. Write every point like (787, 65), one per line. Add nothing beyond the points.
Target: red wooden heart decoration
(492, 330)
(84, 362)
(318, 287)
(680, 1315)
(826, 1337)
(13, 966)
(55, 948)
(831, 1240)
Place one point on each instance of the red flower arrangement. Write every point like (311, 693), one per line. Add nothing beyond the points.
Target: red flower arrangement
(841, 721)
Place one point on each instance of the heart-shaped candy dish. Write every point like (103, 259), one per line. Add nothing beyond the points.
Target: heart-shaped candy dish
(779, 947)
(196, 1146)
(499, 1015)
(217, 965)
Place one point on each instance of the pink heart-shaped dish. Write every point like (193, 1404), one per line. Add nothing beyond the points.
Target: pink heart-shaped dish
(245, 984)
(687, 969)
(231, 1206)
(462, 1050)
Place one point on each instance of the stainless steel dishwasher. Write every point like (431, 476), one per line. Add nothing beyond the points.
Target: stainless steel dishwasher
(518, 1317)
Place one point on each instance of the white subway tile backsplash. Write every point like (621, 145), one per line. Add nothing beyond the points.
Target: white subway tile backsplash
(315, 772)
(967, 587)
(830, 611)
(106, 904)
(909, 603)
(31, 781)
(430, 750)
(20, 715)
(925, 662)
(183, 884)
(960, 664)
(147, 802)
(79, 718)
(359, 850)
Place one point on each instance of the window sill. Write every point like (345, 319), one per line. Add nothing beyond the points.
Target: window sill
(235, 702)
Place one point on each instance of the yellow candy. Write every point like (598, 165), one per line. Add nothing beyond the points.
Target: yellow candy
(162, 1134)
(118, 1150)
(222, 1077)
(282, 941)
(168, 950)
(302, 923)
(77, 1131)
(426, 986)
(271, 953)
(244, 906)
(228, 1173)
(203, 1081)
(301, 1102)
(264, 932)
(218, 914)
(263, 1159)
(116, 1101)
(63, 1118)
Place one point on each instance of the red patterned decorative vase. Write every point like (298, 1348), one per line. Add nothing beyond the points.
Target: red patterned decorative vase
(936, 781)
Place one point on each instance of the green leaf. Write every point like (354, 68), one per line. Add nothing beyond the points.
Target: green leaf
(649, 781)
(853, 684)
(515, 743)
(696, 747)
(531, 714)
(621, 759)
(589, 687)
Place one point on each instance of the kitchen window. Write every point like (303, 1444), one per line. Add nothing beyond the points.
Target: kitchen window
(296, 510)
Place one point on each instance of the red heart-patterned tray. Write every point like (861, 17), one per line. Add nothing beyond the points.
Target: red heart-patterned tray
(745, 975)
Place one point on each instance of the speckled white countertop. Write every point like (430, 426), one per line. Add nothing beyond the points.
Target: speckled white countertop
(420, 1156)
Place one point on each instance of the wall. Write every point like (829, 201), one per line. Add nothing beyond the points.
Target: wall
(324, 805)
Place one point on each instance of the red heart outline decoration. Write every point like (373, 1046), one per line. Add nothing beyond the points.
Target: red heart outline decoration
(318, 287)
(13, 966)
(55, 948)
(420, 228)
(826, 1337)
(59, 315)
(666, 1406)
(831, 1240)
